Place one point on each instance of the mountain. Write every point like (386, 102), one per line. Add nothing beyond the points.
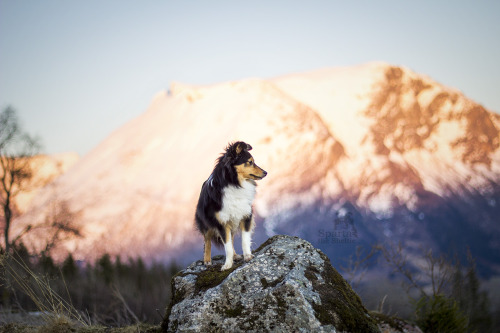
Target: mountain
(422, 160)
(364, 154)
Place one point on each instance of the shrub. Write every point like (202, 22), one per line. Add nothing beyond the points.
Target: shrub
(440, 314)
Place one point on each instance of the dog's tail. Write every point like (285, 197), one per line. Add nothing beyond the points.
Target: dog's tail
(214, 235)
(217, 240)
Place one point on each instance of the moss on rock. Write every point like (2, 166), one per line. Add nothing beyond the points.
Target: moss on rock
(212, 277)
(340, 305)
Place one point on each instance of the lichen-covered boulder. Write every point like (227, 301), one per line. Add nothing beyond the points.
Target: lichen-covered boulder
(289, 286)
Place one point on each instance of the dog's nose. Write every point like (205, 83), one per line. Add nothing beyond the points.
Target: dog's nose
(265, 173)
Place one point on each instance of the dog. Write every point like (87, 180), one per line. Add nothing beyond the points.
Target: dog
(225, 203)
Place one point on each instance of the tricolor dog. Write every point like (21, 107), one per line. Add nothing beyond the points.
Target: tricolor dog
(225, 203)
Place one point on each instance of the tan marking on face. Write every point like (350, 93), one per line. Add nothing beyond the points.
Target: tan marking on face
(249, 171)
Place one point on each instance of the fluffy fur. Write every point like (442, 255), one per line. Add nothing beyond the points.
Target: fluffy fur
(225, 203)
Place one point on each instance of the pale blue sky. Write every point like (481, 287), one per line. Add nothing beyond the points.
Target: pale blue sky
(77, 70)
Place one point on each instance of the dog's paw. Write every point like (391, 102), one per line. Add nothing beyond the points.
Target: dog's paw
(248, 257)
(237, 257)
(226, 266)
(207, 263)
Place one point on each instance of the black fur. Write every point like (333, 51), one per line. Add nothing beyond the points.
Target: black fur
(210, 201)
(247, 222)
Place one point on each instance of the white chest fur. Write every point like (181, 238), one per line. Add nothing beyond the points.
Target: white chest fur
(237, 203)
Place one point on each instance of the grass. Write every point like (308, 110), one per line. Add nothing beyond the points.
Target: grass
(109, 292)
(51, 306)
(57, 314)
(63, 327)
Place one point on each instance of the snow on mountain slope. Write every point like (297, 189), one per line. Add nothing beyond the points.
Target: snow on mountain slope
(381, 141)
(339, 95)
(393, 121)
(137, 190)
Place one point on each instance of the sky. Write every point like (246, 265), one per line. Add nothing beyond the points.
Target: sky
(75, 71)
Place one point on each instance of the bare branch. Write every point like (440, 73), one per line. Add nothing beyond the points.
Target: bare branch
(356, 267)
(16, 149)
(9, 127)
(396, 258)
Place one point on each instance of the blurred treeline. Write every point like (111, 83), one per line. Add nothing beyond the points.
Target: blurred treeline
(438, 293)
(111, 291)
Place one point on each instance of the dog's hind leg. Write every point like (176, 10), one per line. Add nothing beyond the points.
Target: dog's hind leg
(247, 225)
(207, 253)
(228, 247)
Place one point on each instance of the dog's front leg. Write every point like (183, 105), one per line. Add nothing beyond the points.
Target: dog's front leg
(228, 247)
(235, 255)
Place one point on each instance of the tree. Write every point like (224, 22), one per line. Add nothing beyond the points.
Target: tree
(447, 300)
(473, 302)
(431, 277)
(16, 148)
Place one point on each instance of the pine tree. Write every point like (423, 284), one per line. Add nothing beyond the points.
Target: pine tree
(69, 267)
(105, 269)
(473, 302)
(477, 303)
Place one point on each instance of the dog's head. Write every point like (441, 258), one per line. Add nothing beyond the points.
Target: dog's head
(238, 157)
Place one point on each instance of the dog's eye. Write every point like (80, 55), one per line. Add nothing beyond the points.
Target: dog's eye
(250, 162)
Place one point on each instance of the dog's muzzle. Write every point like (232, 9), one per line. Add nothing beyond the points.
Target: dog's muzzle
(264, 173)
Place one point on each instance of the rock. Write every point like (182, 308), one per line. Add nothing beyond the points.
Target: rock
(289, 286)
(389, 324)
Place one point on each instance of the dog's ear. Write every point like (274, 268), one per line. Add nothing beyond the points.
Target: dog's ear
(233, 150)
(242, 146)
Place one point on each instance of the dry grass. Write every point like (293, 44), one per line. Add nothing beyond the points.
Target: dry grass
(62, 327)
(52, 307)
